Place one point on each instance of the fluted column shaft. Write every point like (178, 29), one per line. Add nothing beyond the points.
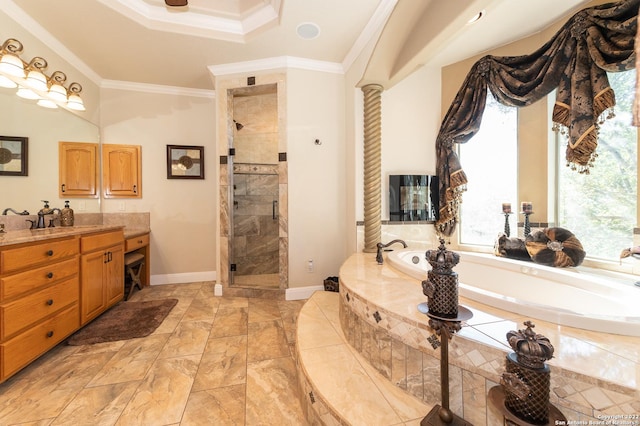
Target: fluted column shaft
(372, 165)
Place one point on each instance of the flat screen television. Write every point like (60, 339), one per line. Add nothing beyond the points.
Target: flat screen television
(413, 197)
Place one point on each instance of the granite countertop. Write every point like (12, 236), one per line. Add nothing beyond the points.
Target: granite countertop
(32, 235)
(135, 232)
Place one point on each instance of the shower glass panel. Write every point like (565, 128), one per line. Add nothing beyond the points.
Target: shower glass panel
(255, 239)
(255, 183)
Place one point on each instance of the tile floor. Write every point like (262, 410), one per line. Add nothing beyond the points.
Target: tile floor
(213, 361)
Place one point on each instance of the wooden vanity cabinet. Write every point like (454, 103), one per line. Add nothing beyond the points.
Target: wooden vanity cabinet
(39, 299)
(121, 171)
(140, 244)
(102, 273)
(78, 165)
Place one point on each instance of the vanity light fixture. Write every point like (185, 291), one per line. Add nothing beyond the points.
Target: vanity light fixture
(35, 77)
(10, 63)
(74, 101)
(33, 83)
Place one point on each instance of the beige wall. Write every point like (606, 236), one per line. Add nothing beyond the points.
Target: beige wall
(183, 220)
(410, 124)
(317, 175)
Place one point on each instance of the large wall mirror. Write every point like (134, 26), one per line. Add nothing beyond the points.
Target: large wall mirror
(44, 128)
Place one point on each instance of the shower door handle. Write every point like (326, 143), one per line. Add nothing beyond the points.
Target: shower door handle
(274, 209)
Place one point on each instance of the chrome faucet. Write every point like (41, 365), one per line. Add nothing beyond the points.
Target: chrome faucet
(383, 246)
(23, 213)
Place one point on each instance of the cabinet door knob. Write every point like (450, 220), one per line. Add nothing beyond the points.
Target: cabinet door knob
(49, 333)
(135, 189)
(50, 275)
(50, 302)
(50, 253)
(64, 187)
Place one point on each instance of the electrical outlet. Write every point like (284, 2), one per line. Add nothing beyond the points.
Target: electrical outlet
(121, 206)
(82, 206)
(310, 265)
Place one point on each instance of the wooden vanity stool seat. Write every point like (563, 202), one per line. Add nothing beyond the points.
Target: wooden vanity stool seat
(133, 265)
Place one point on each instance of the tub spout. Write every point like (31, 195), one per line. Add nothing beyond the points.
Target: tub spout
(383, 246)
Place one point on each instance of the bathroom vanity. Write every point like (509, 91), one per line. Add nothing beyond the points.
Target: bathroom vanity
(52, 282)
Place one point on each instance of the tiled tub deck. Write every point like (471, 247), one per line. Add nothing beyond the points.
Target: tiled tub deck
(592, 374)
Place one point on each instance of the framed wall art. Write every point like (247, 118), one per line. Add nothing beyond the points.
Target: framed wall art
(185, 162)
(14, 156)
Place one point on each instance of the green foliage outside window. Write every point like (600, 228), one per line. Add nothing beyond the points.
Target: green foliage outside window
(600, 207)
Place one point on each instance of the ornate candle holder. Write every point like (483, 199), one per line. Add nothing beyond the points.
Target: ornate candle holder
(445, 318)
(507, 229)
(523, 394)
(527, 224)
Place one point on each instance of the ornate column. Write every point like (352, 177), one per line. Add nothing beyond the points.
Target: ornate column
(372, 166)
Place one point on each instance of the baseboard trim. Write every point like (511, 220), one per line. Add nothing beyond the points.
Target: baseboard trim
(301, 293)
(297, 293)
(187, 277)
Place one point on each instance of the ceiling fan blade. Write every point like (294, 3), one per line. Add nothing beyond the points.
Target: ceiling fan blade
(176, 2)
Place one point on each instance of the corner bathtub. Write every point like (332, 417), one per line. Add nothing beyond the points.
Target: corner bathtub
(580, 297)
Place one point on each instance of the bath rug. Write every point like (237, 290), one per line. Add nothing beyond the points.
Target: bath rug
(126, 320)
(555, 247)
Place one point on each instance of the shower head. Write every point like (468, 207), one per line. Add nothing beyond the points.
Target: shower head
(238, 125)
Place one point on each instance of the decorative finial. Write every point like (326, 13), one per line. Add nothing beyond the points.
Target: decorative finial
(442, 260)
(532, 349)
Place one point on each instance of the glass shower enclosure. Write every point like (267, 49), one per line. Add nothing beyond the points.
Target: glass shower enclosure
(254, 239)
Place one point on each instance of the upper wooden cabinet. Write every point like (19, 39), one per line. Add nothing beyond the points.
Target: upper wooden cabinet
(78, 169)
(121, 171)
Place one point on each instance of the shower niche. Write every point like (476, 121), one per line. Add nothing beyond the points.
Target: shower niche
(256, 248)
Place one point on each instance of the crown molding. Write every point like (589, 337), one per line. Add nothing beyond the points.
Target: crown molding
(194, 22)
(275, 63)
(157, 88)
(373, 27)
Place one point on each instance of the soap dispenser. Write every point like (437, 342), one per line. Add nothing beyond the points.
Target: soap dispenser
(66, 215)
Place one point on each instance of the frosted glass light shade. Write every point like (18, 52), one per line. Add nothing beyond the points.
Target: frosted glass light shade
(58, 93)
(75, 103)
(25, 93)
(47, 103)
(7, 83)
(11, 65)
(37, 81)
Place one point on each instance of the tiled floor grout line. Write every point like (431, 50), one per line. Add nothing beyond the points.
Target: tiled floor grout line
(108, 357)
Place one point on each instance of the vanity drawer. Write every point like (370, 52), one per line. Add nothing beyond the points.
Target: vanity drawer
(135, 243)
(33, 255)
(23, 282)
(23, 312)
(25, 347)
(99, 241)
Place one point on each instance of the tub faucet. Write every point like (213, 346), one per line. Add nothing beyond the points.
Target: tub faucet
(383, 246)
(23, 213)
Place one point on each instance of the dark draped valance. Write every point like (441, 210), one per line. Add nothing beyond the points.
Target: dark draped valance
(575, 62)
